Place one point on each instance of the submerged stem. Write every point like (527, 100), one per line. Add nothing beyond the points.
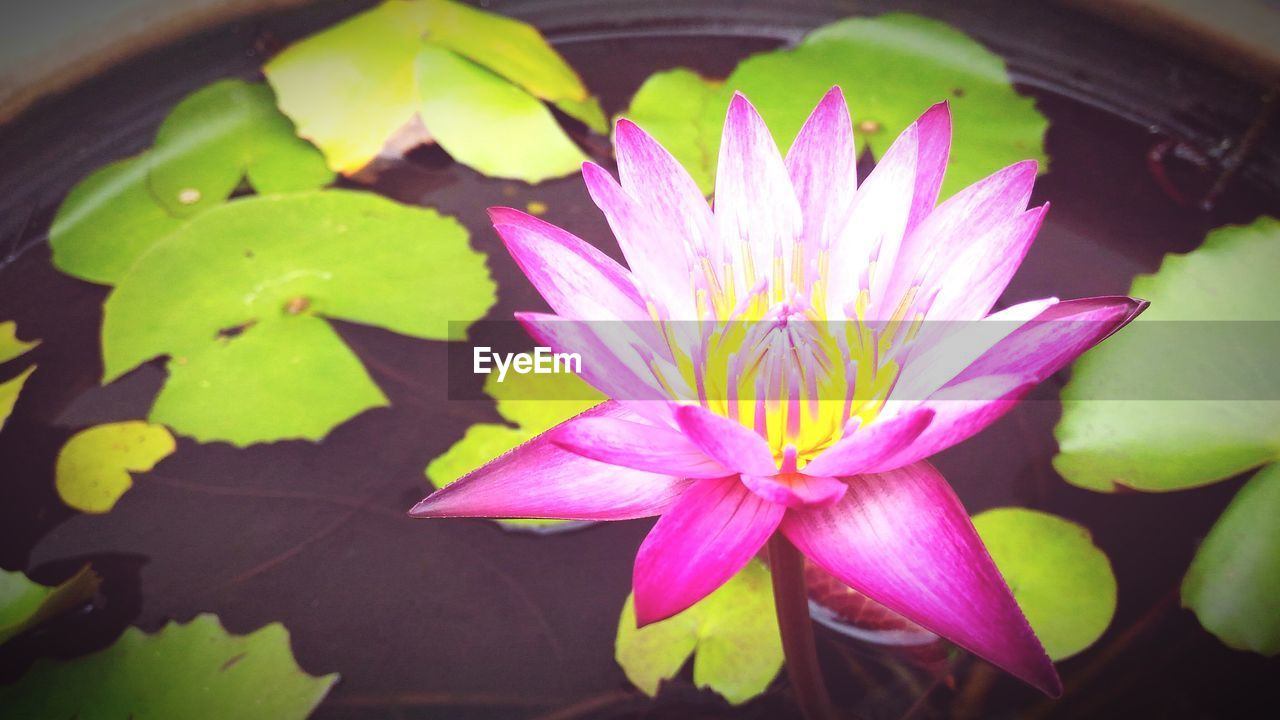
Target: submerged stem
(786, 566)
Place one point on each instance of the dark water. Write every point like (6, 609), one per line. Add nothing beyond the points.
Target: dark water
(461, 619)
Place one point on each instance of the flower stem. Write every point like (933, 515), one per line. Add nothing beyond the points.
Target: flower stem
(791, 597)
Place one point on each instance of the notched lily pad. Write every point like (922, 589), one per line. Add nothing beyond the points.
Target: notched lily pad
(1211, 324)
(107, 221)
(211, 141)
(239, 299)
(486, 441)
(184, 668)
(732, 634)
(93, 467)
(222, 134)
(25, 604)
(1234, 581)
(1061, 580)
(476, 80)
(891, 68)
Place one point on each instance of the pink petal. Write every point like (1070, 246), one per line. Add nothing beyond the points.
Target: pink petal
(756, 210)
(576, 279)
(961, 411)
(935, 361)
(1055, 337)
(542, 480)
(637, 445)
(657, 180)
(877, 221)
(869, 445)
(934, 149)
(992, 385)
(822, 164)
(653, 244)
(796, 489)
(904, 540)
(974, 280)
(961, 223)
(710, 534)
(609, 363)
(728, 442)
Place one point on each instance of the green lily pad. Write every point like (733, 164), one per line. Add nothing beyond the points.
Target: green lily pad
(891, 68)
(222, 134)
(475, 79)
(1061, 580)
(673, 106)
(732, 634)
(486, 441)
(1234, 581)
(210, 142)
(192, 670)
(9, 391)
(10, 345)
(238, 300)
(1160, 445)
(107, 221)
(25, 604)
(93, 467)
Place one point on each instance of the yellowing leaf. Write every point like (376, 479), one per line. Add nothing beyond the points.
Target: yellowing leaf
(239, 298)
(1061, 580)
(9, 391)
(25, 604)
(94, 465)
(476, 80)
(467, 109)
(351, 87)
(192, 670)
(10, 346)
(540, 410)
(732, 634)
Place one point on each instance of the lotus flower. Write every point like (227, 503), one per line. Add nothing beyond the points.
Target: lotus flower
(807, 391)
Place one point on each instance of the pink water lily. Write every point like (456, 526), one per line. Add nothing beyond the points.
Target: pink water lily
(808, 390)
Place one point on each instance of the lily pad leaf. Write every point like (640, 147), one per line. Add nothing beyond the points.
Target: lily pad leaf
(1061, 580)
(673, 106)
(195, 669)
(11, 346)
(476, 80)
(9, 391)
(732, 634)
(107, 221)
(1234, 580)
(25, 604)
(209, 143)
(486, 441)
(93, 467)
(221, 134)
(892, 68)
(488, 124)
(238, 300)
(1226, 290)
